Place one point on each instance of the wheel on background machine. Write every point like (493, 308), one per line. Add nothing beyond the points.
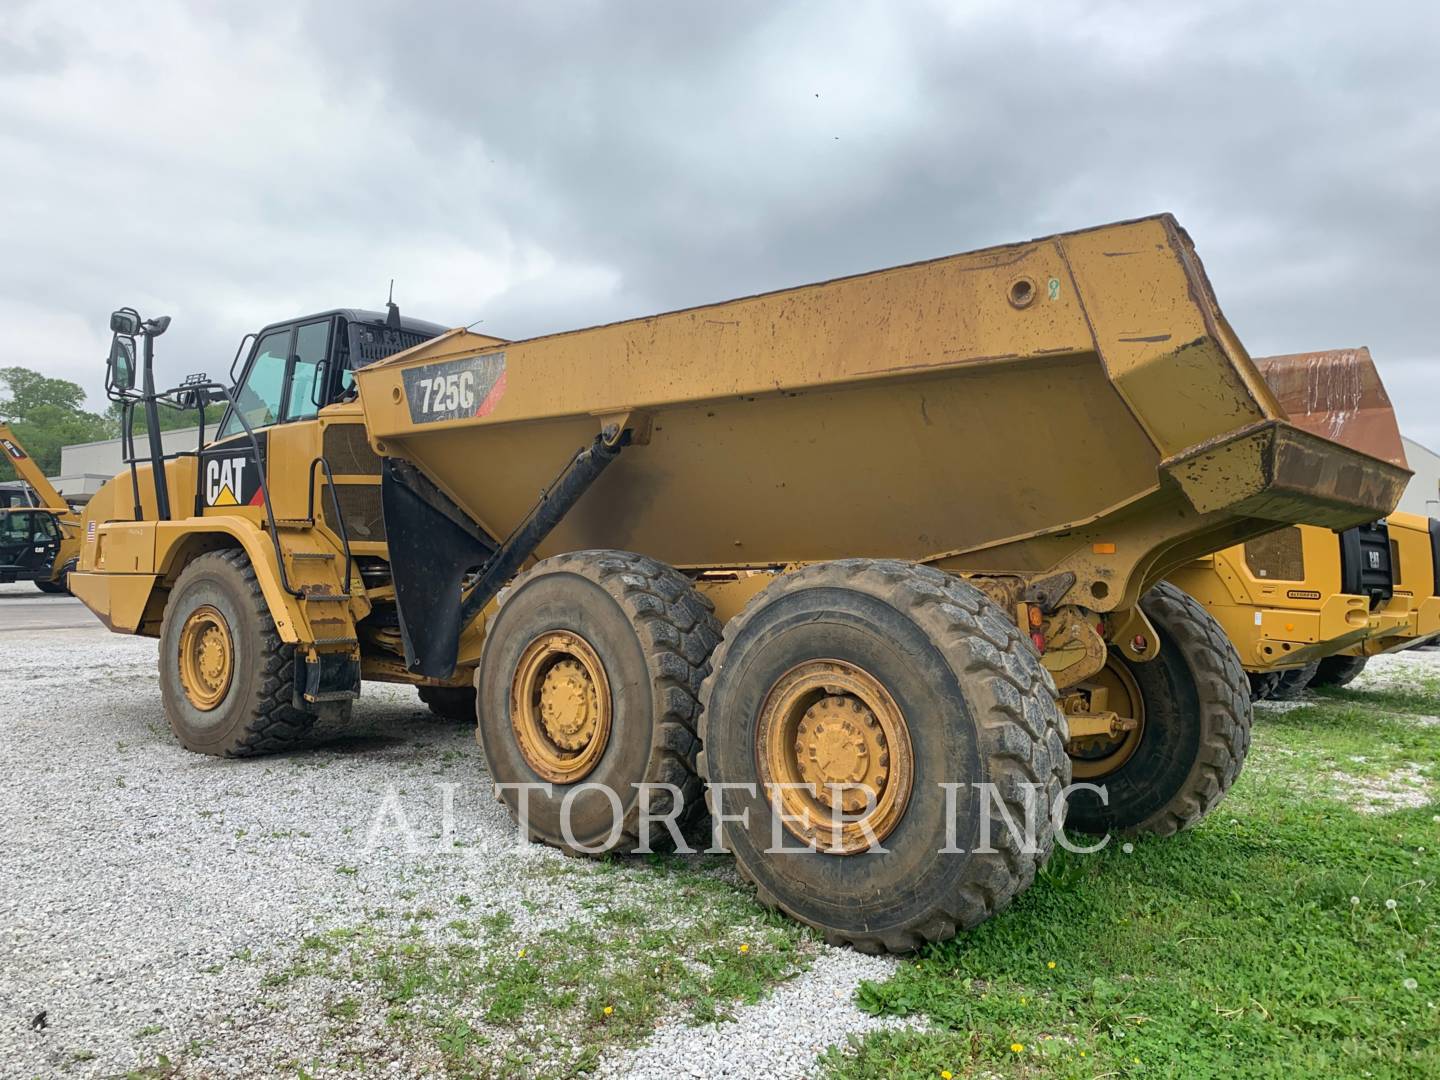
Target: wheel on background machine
(450, 702)
(1262, 684)
(1193, 711)
(226, 678)
(871, 684)
(1293, 681)
(62, 583)
(1338, 670)
(589, 681)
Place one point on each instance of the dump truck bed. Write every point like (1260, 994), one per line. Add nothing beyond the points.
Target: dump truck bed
(1070, 405)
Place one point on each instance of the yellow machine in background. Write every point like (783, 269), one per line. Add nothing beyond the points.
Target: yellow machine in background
(1411, 613)
(915, 501)
(1303, 605)
(1291, 598)
(37, 543)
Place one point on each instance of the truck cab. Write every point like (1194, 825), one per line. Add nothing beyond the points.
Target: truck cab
(294, 368)
(30, 539)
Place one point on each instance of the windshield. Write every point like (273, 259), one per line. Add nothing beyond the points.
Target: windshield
(280, 383)
(258, 398)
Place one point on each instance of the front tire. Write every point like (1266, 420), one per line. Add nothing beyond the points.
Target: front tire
(1195, 732)
(226, 678)
(54, 588)
(897, 679)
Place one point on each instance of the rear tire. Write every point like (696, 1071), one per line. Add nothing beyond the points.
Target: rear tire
(590, 678)
(1293, 682)
(455, 703)
(217, 607)
(975, 707)
(1196, 732)
(1338, 670)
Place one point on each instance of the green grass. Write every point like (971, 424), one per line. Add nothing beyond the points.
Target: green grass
(1259, 944)
(494, 1000)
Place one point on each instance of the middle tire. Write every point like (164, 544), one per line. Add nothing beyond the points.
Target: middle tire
(589, 680)
(899, 679)
(449, 702)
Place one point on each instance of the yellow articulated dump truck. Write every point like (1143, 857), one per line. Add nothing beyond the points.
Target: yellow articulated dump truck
(872, 561)
(1296, 596)
(41, 542)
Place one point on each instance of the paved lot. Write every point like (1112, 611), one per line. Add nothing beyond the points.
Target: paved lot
(24, 607)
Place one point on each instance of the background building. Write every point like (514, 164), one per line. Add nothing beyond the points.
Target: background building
(85, 466)
(1422, 495)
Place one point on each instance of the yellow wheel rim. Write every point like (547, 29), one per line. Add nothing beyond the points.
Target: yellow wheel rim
(560, 707)
(832, 746)
(1101, 757)
(207, 658)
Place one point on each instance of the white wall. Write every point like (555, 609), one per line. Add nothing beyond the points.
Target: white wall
(1422, 494)
(105, 459)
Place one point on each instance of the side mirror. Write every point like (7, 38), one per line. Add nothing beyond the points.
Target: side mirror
(120, 368)
(125, 321)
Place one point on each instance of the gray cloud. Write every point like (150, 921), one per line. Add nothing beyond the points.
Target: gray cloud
(545, 166)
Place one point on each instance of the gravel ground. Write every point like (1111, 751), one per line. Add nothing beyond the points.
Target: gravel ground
(779, 1037)
(152, 901)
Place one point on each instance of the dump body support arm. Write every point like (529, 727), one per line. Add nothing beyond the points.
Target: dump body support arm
(433, 544)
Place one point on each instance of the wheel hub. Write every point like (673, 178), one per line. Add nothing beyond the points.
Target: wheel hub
(1113, 691)
(842, 751)
(834, 753)
(206, 658)
(560, 706)
(567, 705)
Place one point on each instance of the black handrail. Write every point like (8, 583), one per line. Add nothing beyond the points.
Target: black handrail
(339, 517)
(259, 471)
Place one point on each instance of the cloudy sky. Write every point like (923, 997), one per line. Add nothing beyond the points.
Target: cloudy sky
(546, 165)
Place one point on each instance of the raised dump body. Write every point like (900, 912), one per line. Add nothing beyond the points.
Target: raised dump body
(1075, 405)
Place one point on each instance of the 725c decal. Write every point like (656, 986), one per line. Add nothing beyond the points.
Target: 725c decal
(455, 389)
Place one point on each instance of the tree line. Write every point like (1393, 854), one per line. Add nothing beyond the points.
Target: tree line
(47, 414)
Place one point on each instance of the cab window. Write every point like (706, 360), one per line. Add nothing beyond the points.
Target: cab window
(311, 341)
(14, 527)
(259, 397)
